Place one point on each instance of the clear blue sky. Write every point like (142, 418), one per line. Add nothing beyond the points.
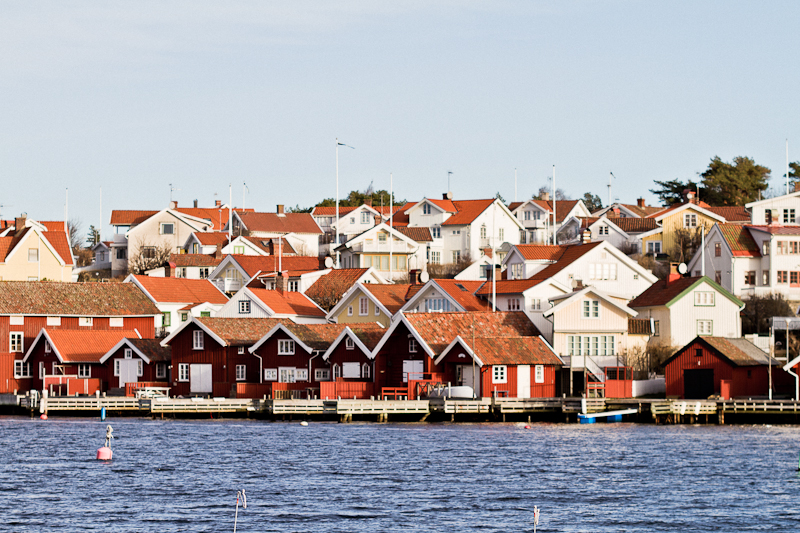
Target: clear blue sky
(136, 95)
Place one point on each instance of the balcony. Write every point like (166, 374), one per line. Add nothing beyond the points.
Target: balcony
(380, 247)
(119, 238)
(232, 285)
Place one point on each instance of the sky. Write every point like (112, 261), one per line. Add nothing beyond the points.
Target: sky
(140, 97)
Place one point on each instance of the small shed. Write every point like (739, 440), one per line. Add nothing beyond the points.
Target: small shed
(730, 367)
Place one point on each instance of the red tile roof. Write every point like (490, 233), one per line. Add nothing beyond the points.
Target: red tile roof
(513, 351)
(253, 264)
(60, 242)
(778, 230)
(468, 211)
(152, 349)
(508, 286)
(288, 303)
(732, 213)
(321, 336)
(85, 345)
(211, 238)
(391, 296)
(330, 211)
(514, 205)
(201, 260)
(571, 254)
(273, 223)
(540, 252)
(563, 207)
(272, 245)
(334, 284)
(439, 329)
(740, 240)
(642, 211)
(447, 205)
(53, 225)
(673, 207)
(127, 217)
(634, 225)
(463, 292)
(661, 292)
(418, 234)
(181, 290)
(217, 216)
(240, 331)
(74, 299)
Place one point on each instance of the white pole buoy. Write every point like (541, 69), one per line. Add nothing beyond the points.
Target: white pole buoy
(244, 506)
(104, 453)
(535, 518)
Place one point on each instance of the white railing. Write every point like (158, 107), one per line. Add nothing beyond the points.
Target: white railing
(232, 285)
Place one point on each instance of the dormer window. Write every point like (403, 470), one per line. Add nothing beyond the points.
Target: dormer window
(426, 209)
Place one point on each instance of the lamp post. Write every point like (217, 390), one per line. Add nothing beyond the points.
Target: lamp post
(336, 243)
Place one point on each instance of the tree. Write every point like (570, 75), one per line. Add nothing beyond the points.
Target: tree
(298, 209)
(93, 237)
(74, 229)
(687, 242)
(734, 183)
(592, 202)
(794, 173)
(500, 197)
(671, 192)
(356, 198)
(148, 256)
(544, 189)
(759, 310)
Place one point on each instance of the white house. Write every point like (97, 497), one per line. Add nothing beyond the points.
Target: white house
(298, 229)
(379, 245)
(445, 296)
(783, 209)
(536, 217)
(263, 303)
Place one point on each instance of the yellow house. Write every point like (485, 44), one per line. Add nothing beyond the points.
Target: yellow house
(369, 302)
(677, 223)
(32, 253)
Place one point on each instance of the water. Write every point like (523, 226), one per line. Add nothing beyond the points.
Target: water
(183, 476)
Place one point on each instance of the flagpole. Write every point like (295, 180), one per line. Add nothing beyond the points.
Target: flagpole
(391, 226)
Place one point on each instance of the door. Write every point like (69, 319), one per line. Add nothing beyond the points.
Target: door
(698, 384)
(286, 375)
(523, 381)
(128, 371)
(200, 379)
(412, 370)
(471, 378)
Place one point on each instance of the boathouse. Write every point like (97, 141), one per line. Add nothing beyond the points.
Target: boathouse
(350, 363)
(726, 367)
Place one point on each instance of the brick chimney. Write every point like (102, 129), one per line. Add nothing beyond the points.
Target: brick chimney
(19, 222)
(378, 219)
(280, 210)
(280, 281)
(217, 203)
(689, 196)
(640, 202)
(413, 276)
(368, 201)
(616, 212)
(195, 204)
(674, 275)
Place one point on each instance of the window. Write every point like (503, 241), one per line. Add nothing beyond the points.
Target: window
(436, 258)
(16, 341)
(377, 310)
(783, 276)
(240, 350)
(285, 347)
(139, 368)
(286, 375)
(203, 272)
(426, 209)
(718, 277)
(365, 370)
(122, 253)
(705, 327)
(513, 304)
(437, 305)
(656, 328)
(363, 306)
(412, 346)
(590, 345)
(349, 344)
(197, 340)
(166, 319)
(184, 316)
(516, 271)
(351, 370)
(352, 220)
(705, 298)
(436, 232)
(501, 234)
(337, 371)
(654, 247)
(717, 249)
(602, 230)
(365, 217)
(127, 353)
(698, 352)
(301, 374)
(782, 247)
(22, 370)
(538, 374)
(167, 228)
(527, 215)
(603, 271)
(591, 309)
(689, 220)
(788, 216)
(244, 307)
(238, 250)
(116, 367)
(499, 374)
(483, 231)
(381, 238)
(241, 372)
(350, 310)
(536, 304)
(85, 321)
(271, 374)
(161, 370)
(41, 370)
(148, 252)
(47, 347)
(456, 256)
(33, 255)
(180, 272)
(322, 374)
(293, 286)
(456, 232)
(750, 277)
(84, 371)
(765, 248)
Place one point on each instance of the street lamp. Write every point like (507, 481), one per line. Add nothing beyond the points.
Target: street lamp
(336, 243)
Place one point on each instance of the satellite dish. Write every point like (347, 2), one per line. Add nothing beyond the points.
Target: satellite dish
(682, 268)
(328, 262)
(424, 277)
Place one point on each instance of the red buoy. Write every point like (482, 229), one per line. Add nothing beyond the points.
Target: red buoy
(104, 454)
(43, 416)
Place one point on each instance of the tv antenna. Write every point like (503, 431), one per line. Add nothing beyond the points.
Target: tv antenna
(171, 189)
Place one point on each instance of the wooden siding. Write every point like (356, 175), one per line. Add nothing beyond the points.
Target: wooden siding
(300, 360)
(359, 390)
(674, 223)
(389, 361)
(343, 318)
(212, 353)
(8, 383)
(342, 355)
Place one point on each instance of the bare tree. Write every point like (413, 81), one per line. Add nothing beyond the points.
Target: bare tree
(327, 292)
(450, 270)
(148, 256)
(75, 233)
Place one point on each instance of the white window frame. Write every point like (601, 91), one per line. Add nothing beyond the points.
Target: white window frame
(84, 371)
(426, 209)
(365, 371)
(241, 372)
(164, 225)
(22, 369)
(703, 325)
(198, 342)
(322, 374)
(244, 307)
(33, 255)
(85, 321)
(689, 220)
(363, 306)
(591, 309)
(116, 367)
(286, 346)
(16, 342)
(183, 372)
(47, 347)
(240, 350)
(301, 374)
(536, 304)
(270, 374)
(139, 368)
(337, 371)
(349, 344)
(499, 374)
(350, 310)
(704, 299)
(653, 247)
(513, 304)
(365, 217)
(412, 345)
(538, 374)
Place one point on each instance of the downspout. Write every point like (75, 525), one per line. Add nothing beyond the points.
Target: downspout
(796, 383)
(260, 369)
(309, 365)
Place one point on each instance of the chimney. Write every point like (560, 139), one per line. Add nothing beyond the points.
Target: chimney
(19, 222)
(640, 202)
(378, 219)
(689, 196)
(674, 275)
(217, 203)
(546, 196)
(368, 201)
(587, 236)
(280, 281)
(195, 204)
(616, 212)
(280, 210)
(413, 276)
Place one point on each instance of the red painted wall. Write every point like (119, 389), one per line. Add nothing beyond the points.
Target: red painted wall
(342, 355)
(212, 353)
(389, 361)
(269, 352)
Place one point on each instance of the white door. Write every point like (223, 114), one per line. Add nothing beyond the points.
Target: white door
(200, 379)
(128, 371)
(523, 381)
(471, 379)
(412, 369)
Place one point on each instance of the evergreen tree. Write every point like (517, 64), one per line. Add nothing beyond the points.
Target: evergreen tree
(734, 183)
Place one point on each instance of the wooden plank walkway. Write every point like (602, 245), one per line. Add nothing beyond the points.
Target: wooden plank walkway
(193, 405)
(88, 403)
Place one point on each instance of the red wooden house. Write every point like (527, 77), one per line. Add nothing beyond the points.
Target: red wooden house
(412, 347)
(731, 368)
(352, 368)
(135, 362)
(27, 307)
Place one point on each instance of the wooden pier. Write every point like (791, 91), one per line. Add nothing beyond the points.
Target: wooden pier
(657, 411)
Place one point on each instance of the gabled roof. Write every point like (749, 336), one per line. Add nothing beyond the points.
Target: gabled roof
(179, 290)
(565, 300)
(275, 223)
(467, 211)
(540, 252)
(732, 213)
(463, 292)
(563, 207)
(330, 210)
(234, 331)
(508, 286)
(364, 338)
(335, 283)
(253, 264)
(418, 234)
(129, 217)
(319, 337)
(739, 239)
(394, 231)
(211, 238)
(82, 345)
(400, 216)
(199, 260)
(391, 296)
(677, 208)
(633, 225)
(50, 298)
(150, 350)
(505, 351)
(271, 245)
(571, 254)
(56, 241)
(663, 293)
(739, 351)
(287, 302)
(218, 216)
